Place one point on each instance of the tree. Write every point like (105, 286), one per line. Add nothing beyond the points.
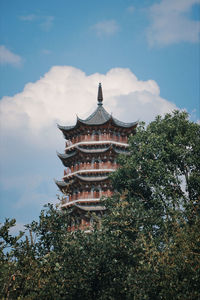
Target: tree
(160, 184)
(148, 243)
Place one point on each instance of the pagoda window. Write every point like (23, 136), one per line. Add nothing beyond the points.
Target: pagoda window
(93, 135)
(119, 136)
(74, 196)
(96, 136)
(95, 163)
(101, 164)
(107, 136)
(104, 136)
(100, 135)
(125, 139)
(113, 135)
(96, 193)
(116, 136)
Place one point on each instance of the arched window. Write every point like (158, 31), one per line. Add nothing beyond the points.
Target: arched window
(96, 164)
(96, 192)
(96, 136)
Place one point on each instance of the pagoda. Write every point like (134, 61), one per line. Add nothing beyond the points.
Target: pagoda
(92, 146)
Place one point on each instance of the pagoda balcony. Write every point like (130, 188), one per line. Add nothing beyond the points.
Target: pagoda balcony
(86, 200)
(101, 137)
(92, 142)
(86, 171)
(85, 197)
(89, 166)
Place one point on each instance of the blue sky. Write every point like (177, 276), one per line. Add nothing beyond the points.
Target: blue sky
(52, 56)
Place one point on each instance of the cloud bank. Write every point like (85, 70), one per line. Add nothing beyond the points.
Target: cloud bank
(171, 23)
(66, 91)
(30, 138)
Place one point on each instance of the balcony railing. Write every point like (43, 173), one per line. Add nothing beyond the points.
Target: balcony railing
(96, 138)
(84, 171)
(86, 197)
(92, 142)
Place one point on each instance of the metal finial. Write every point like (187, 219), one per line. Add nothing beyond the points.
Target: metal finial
(100, 95)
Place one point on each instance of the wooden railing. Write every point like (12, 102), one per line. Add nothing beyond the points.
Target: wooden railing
(102, 137)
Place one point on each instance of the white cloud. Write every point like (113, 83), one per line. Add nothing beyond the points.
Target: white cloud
(45, 22)
(31, 17)
(131, 9)
(171, 23)
(8, 57)
(46, 51)
(106, 28)
(30, 138)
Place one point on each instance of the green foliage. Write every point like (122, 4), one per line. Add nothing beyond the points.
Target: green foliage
(148, 245)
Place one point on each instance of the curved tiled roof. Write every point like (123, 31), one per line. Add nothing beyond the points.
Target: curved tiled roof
(65, 156)
(100, 150)
(90, 208)
(65, 127)
(62, 184)
(91, 178)
(99, 117)
(123, 124)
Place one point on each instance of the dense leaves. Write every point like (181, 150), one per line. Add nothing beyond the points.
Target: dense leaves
(148, 244)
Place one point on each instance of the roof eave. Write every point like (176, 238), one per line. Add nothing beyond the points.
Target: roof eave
(124, 125)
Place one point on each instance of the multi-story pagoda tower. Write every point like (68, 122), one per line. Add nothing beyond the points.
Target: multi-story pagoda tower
(90, 156)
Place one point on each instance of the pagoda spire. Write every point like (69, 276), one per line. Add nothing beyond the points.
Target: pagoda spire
(100, 95)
